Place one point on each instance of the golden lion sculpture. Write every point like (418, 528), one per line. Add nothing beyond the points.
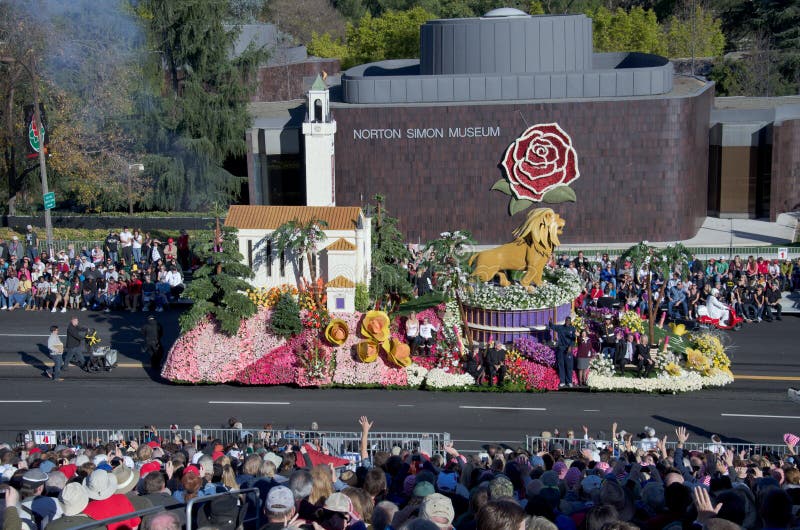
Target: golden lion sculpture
(530, 251)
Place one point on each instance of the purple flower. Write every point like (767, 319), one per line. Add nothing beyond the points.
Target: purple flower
(535, 351)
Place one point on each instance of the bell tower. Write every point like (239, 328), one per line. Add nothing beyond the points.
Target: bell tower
(319, 128)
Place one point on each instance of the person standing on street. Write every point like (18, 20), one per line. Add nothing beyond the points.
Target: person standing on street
(75, 335)
(152, 332)
(31, 243)
(56, 348)
(566, 340)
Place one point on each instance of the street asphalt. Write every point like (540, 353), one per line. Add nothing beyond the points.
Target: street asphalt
(766, 361)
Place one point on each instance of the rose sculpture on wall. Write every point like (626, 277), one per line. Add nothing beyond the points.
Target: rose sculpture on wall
(538, 167)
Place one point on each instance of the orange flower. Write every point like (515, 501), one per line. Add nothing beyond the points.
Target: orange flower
(375, 328)
(400, 354)
(367, 351)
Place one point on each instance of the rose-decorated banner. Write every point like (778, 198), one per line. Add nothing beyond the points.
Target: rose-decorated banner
(538, 167)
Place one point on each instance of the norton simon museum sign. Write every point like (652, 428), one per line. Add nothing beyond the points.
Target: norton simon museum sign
(428, 133)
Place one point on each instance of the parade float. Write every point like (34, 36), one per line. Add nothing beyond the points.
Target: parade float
(288, 334)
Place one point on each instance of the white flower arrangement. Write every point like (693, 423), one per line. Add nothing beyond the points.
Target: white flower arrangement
(438, 378)
(416, 375)
(560, 287)
(685, 382)
(451, 321)
(602, 365)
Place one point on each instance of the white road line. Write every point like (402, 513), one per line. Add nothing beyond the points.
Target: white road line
(249, 403)
(760, 416)
(23, 401)
(499, 408)
(28, 335)
(591, 410)
(406, 405)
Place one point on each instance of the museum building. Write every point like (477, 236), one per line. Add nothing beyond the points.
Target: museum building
(655, 157)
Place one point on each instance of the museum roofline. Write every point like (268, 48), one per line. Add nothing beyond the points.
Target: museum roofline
(682, 87)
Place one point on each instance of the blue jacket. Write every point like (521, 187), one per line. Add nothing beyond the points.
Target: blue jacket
(566, 335)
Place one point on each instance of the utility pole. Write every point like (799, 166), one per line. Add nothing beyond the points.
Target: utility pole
(37, 116)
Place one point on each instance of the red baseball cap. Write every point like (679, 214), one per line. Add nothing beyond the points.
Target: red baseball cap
(150, 467)
(192, 469)
(153, 444)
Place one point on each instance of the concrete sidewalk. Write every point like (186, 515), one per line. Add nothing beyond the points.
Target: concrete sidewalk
(722, 233)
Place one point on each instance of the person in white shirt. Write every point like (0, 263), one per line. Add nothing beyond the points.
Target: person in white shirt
(412, 332)
(715, 309)
(650, 442)
(126, 241)
(175, 281)
(136, 246)
(426, 333)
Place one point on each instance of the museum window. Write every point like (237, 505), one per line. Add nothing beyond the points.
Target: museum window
(340, 303)
(250, 253)
(300, 266)
(283, 264)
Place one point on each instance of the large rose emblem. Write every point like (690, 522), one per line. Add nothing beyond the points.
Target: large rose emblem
(540, 160)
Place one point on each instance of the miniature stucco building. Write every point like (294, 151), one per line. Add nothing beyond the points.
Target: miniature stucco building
(343, 258)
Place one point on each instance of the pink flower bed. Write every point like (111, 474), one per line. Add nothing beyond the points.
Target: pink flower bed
(351, 371)
(256, 357)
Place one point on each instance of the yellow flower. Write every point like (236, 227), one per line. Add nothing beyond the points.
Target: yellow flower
(400, 354)
(337, 332)
(673, 369)
(367, 351)
(375, 327)
(679, 329)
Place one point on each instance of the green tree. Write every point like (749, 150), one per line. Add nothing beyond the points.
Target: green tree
(285, 319)
(536, 8)
(636, 30)
(754, 73)
(218, 287)
(389, 251)
(201, 118)
(697, 34)
(299, 240)
(447, 257)
(662, 261)
(393, 35)
(326, 45)
(779, 22)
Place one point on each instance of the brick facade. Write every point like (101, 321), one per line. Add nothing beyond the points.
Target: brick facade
(643, 164)
(785, 192)
(285, 82)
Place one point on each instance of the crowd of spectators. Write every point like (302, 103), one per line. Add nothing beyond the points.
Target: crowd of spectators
(130, 270)
(752, 287)
(619, 485)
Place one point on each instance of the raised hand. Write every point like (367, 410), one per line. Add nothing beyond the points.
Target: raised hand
(702, 501)
(728, 456)
(682, 435)
(366, 425)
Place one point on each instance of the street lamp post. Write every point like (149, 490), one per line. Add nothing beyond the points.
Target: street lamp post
(131, 167)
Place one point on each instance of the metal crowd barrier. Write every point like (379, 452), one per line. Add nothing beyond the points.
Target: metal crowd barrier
(247, 495)
(337, 442)
(102, 523)
(537, 443)
(245, 498)
(71, 437)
